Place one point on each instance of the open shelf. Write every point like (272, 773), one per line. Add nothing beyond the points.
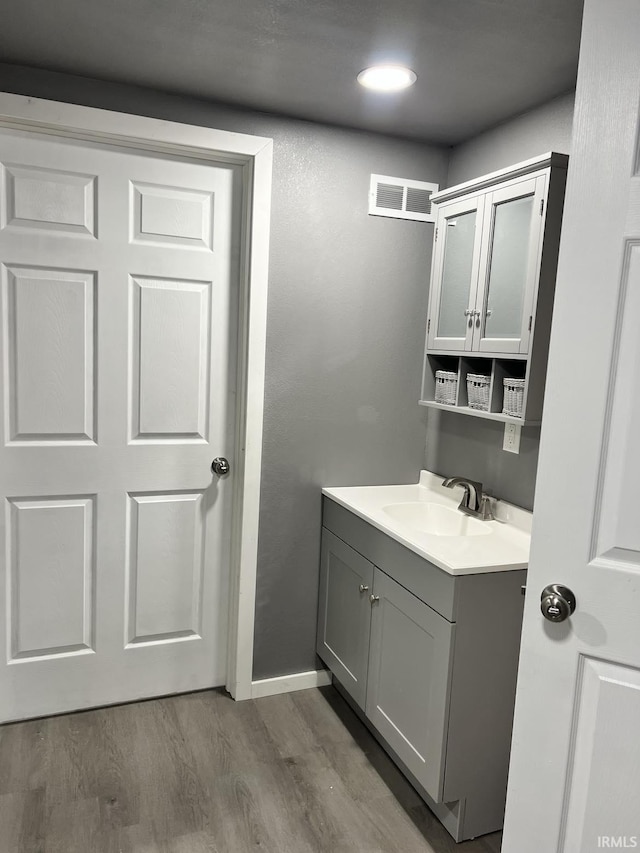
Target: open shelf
(477, 413)
(497, 369)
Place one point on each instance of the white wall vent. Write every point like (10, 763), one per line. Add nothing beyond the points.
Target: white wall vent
(401, 198)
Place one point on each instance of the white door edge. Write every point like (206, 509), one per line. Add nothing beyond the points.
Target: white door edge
(255, 155)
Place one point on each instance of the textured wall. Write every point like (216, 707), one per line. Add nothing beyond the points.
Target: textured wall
(346, 314)
(547, 128)
(458, 445)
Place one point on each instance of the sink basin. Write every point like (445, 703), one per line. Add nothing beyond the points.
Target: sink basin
(436, 519)
(424, 517)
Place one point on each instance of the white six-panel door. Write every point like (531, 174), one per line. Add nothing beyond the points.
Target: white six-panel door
(118, 274)
(574, 783)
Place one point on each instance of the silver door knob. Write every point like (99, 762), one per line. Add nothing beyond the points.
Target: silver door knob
(220, 466)
(557, 602)
(374, 598)
(363, 587)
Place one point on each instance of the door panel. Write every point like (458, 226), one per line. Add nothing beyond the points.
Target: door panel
(601, 798)
(119, 275)
(51, 557)
(579, 685)
(172, 216)
(344, 614)
(408, 687)
(170, 352)
(43, 199)
(455, 275)
(617, 520)
(50, 354)
(165, 565)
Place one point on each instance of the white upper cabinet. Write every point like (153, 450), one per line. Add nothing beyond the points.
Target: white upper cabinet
(492, 285)
(486, 263)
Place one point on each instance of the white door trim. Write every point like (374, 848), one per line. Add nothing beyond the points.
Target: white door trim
(254, 155)
(290, 683)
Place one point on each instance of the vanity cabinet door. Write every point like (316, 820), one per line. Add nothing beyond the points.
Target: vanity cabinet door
(344, 614)
(456, 263)
(510, 265)
(409, 676)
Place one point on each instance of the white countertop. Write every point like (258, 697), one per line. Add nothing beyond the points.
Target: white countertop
(505, 548)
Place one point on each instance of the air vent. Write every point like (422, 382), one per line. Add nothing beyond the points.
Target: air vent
(401, 198)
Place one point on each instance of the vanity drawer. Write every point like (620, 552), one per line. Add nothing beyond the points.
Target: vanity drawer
(426, 581)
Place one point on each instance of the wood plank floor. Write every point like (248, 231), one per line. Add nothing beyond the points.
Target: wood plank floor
(200, 773)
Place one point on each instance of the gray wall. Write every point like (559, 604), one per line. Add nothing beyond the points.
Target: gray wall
(546, 128)
(346, 315)
(458, 445)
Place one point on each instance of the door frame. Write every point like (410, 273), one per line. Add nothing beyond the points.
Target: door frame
(254, 154)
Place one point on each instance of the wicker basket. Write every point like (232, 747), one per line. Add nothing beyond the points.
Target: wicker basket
(478, 391)
(513, 397)
(446, 387)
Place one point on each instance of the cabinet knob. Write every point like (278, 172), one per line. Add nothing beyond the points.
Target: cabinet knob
(363, 587)
(374, 598)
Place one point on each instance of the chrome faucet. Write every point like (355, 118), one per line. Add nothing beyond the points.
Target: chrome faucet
(474, 502)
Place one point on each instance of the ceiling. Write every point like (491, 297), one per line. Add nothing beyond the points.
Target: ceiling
(478, 62)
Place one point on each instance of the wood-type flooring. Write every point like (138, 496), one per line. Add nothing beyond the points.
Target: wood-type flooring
(199, 773)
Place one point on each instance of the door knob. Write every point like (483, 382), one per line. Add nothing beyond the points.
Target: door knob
(363, 587)
(557, 602)
(220, 466)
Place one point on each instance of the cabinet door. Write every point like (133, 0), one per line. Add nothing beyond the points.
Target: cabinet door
(455, 275)
(409, 672)
(344, 614)
(510, 265)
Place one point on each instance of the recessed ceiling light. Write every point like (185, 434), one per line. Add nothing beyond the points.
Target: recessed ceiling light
(387, 78)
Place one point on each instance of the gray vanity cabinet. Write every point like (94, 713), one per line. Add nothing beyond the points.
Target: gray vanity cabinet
(408, 683)
(428, 660)
(344, 614)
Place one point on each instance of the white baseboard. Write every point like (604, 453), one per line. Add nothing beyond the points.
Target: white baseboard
(288, 683)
